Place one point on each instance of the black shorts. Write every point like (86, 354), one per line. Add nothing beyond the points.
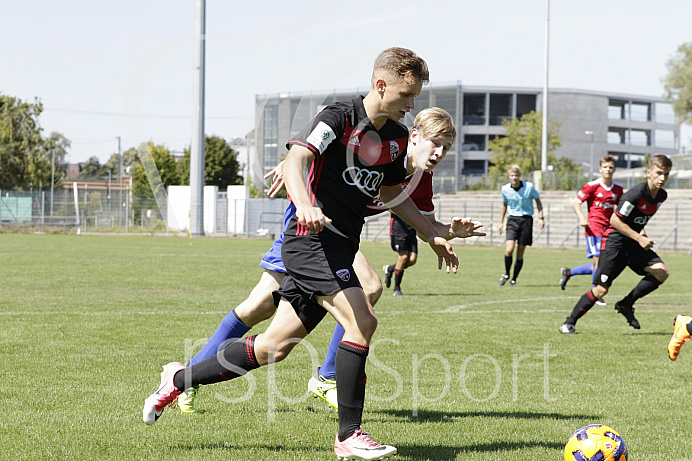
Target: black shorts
(402, 235)
(614, 260)
(520, 228)
(316, 264)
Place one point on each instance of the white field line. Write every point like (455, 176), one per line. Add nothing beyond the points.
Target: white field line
(457, 308)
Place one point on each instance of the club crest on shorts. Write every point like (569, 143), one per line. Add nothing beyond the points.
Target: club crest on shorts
(604, 278)
(344, 274)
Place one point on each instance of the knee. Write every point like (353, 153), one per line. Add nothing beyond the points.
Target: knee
(412, 261)
(251, 312)
(367, 325)
(266, 352)
(373, 290)
(599, 291)
(660, 274)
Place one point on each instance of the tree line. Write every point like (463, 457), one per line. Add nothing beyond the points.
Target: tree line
(28, 159)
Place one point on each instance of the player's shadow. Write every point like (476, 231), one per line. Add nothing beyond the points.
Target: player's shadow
(446, 453)
(412, 452)
(446, 416)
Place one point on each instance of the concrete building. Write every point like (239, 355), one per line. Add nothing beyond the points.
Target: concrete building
(592, 124)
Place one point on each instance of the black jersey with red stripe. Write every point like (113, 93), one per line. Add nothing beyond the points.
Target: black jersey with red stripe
(352, 161)
(635, 209)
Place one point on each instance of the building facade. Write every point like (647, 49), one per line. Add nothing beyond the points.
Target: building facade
(592, 124)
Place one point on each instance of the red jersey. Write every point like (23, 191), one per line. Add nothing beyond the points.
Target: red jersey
(601, 202)
(419, 188)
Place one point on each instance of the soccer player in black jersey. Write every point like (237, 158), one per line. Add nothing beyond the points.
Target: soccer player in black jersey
(352, 149)
(625, 244)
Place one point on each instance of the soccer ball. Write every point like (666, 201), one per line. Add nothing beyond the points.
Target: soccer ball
(595, 443)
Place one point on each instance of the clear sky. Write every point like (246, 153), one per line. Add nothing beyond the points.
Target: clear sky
(107, 69)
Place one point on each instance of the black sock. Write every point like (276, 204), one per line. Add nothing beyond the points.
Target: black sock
(517, 268)
(398, 275)
(236, 360)
(508, 264)
(350, 386)
(585, 303)
(643, 288)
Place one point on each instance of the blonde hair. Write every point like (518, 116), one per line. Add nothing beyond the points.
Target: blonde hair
(607, 159)
(399, 64)
(515, 169)
(434, 122)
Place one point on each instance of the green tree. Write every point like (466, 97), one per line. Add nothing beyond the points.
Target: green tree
(221, 164)
(521, 144)
(20, 141)
(54, 150)
(92, 169)
(165, 164)
(677, 84)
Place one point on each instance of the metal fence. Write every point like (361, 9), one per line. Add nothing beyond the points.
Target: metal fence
(85, 211)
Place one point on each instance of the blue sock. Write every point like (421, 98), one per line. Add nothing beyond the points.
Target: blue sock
(584, 269)
(230, 327)
(327, 369)
(593, 276)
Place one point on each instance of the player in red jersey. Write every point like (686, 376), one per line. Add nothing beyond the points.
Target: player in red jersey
(625, 244)
(601, 197)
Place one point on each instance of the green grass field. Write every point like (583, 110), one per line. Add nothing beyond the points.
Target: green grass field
(459, 369)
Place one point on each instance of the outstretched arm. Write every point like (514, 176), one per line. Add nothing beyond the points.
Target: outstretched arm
(278, 180)
(408, 211)
(458, 228)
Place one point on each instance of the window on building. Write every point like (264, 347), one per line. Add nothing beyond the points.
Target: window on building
(473, 167)
(665, 138)
(500, 108)
(473, 142)
(525, 103)
(640, 137)
(271, 137)
(474, 108)
(617, 135)
(616, 109)
(664, 113)
(640, 112)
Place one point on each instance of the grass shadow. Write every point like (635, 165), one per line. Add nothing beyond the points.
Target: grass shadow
(446, 453)
(443, 416)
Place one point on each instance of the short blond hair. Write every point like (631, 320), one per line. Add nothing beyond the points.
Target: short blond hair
(433, 122)
(399, 64)
(515, 169)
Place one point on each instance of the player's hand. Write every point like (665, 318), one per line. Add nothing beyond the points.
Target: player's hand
(444, 253)
(312, 218)
(500, 228)
(541, 223)
(278, 181)
(465, 227)
(645, 242)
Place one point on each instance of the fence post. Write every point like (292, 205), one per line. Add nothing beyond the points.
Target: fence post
(675, 238)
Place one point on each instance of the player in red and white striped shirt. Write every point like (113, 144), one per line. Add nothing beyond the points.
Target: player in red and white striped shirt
(601, 196)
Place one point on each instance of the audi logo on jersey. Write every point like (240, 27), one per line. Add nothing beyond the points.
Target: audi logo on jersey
(363, 178)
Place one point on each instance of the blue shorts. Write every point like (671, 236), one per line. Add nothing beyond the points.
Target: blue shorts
(272, 259)
(593, 246)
